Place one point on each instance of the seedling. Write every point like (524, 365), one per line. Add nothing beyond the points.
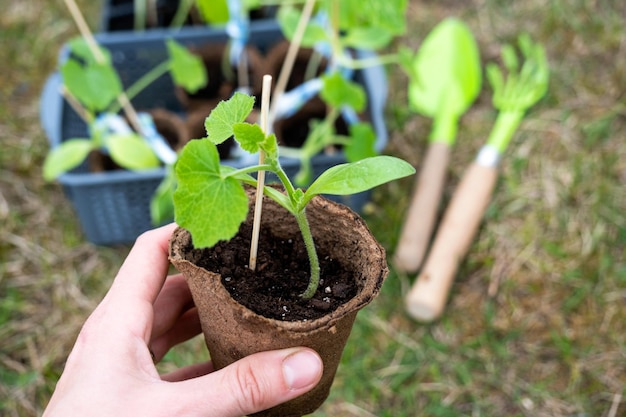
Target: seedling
(333, 33)
(211, 202)
(338, 93)
(94, 89)
(348, 24)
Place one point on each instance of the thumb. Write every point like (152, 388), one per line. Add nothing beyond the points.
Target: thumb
(254, 383)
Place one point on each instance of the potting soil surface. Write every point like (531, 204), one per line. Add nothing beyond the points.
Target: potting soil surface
(282, 274)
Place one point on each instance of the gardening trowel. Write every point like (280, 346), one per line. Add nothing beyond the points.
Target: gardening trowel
(523, 88)
(445, 78)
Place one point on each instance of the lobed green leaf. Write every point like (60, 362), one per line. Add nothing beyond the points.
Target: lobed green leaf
(219, 124)
(249, 136)
(208, 203)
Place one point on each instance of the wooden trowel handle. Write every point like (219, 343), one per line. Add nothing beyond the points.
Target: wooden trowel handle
(428, 296)
(422, 212)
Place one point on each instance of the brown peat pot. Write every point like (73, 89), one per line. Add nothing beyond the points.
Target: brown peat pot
(232, 330)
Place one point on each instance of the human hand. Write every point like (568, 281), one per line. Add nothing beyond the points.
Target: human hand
(111, 371)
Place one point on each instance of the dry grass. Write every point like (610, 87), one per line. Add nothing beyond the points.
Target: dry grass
(536, 324)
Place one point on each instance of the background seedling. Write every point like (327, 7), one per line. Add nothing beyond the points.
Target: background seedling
(337, 29)
(95, 90)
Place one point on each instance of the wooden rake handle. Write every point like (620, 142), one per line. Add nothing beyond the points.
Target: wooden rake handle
(427, 298)
(422, 212)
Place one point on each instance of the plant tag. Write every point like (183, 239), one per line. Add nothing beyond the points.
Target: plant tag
(111, 123)
(290, 102)
(158, 144)
(237, 29)
(349, 115)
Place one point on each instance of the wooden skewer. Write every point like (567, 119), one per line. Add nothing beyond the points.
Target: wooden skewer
(97, 53)
(258, 205)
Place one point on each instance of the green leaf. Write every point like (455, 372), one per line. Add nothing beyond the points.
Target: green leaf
(252, 139)
(367, 38)
(389, 15)
(131, 151)
(95, 86)
(162, 202)
(65, 157)
(219, 124)
(213, 11)
(249, 136)
(361, 144)
(359, 176)
(406, 56)
(446, 76)
(304, 176)
(209, 204)
(80, 49)
(337, 92)
(288, 18)
(187, 69)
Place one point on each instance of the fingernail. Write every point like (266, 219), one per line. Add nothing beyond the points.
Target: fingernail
(302, 369)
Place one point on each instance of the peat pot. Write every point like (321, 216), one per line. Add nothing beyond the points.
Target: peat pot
(231, 330)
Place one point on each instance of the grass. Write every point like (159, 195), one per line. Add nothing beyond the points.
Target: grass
(535, 325)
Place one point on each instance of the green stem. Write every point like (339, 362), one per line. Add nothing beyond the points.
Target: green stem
(295, 153)
(313, 65)
(314, 279)
(305, 230)
(251, 169)
(284, 179)
(139, 85)
(140, 11)
(181, 14)
(504, 128)
(321, 137)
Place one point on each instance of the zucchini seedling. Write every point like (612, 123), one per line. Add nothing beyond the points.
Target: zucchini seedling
(211, 202)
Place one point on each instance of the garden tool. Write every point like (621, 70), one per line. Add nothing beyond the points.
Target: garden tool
(445, 78)
(522, 89)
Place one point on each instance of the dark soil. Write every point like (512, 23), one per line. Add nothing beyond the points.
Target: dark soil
(282, 274)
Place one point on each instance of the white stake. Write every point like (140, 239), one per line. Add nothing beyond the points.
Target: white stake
(97, 53)
(258, 205)
(290, 59)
